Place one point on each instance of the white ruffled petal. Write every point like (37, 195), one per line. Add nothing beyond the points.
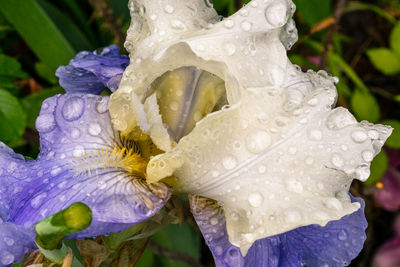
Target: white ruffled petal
(278, 157)
(277, 161)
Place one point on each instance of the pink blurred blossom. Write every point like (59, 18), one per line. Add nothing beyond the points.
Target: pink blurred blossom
(388, 254)
(389, 195)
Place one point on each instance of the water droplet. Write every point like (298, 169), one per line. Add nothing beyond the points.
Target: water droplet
(292, 216)
(169, 9)
(258, 141)
(367, 155)
(309, 160)
(261, 169)
(230, 49)
(55, 171)
(359, 136)
(218, 250)
(340, 118)
(177, 24)
(275, 14)
(293, 185)
(102, 105)
(373, 134)
(234, 216)
(244, 12)
(292, 150)
(255, 199)
(45, 123)
(94, 129)
(342, 235)
(78, 151)
(37, 200)
(62, 184)
(337, 160)
(73, 108)
(229, 162)
(119, 125)
(253, 4)
(315, 134)
(9, 241)
(12, 167)
(7, 258)
(362, 172)
(214, 221)
(313, 102)
(246, 26)
(214, 174)
(75, 133)
(174, 106)
(228, 23)
(333, 203)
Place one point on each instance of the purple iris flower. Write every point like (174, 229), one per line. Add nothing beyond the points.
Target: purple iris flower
(84, 159)
(91, 72)
(75, 128)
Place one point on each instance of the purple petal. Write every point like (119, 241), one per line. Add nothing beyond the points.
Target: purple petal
(12, 178)
(90, 72)
(389, 254)
(76, 164)
(336, 244)
(389, 195)
(394, 157)
(15, 241)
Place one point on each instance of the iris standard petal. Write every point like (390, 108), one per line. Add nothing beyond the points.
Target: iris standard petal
(335, 244)
(83, 159)
(279, 156)
(90, 72)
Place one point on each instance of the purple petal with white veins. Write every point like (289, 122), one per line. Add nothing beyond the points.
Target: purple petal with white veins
(90, 72)
(15, 241)
(76, 163)
(335, 244)
(12, 178)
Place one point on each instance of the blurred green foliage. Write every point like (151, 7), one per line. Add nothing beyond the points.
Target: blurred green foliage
(40, 35)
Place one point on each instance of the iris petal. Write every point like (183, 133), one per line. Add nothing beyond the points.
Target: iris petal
(78, 163)
(279, 149)
(12, 178)
(90, 72)
(15, 241)
(335, 244)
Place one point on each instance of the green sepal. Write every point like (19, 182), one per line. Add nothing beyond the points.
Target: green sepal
(52, 230)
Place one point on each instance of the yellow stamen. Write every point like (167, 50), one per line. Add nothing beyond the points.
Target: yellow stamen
(379, 185)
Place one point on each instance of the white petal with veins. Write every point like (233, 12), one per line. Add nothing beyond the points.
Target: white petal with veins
(279, 157)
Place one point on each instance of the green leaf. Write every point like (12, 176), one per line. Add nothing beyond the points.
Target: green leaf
(33, 103)
(313, 11)
(365, 106)
(356, 6)
(384, 60)
(39, 32)
(11, 67)
(45, 72)
(378, 168)
(68, 28)
(395, 39)
(180, 238)
(12, 117)
(394, 139)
